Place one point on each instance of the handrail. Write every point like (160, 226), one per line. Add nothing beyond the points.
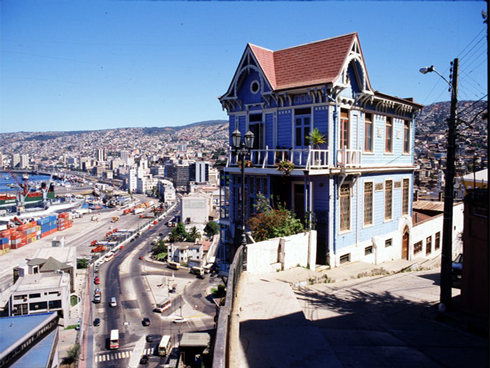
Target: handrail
(303, 158)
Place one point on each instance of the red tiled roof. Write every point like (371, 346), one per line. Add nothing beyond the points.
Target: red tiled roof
(314, 63)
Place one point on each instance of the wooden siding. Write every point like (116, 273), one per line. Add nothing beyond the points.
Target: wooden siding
(231, 127)
(320, 120)
(284, 134)
(244, 92)
(380, 226)
(269, 130)
(242, 123)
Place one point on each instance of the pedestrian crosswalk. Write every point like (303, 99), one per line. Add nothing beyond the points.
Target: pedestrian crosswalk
(121, 355)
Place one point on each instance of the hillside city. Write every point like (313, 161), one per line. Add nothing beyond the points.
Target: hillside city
(109, 154)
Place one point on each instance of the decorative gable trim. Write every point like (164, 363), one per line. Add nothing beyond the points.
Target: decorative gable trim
(247, 63)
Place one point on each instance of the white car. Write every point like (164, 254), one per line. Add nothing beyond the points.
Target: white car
(180, 320)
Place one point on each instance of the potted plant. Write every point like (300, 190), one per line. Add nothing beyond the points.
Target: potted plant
(316, 138)
(285, 166)
(247, 163)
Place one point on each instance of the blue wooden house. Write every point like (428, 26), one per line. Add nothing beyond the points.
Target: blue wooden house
(357, 186)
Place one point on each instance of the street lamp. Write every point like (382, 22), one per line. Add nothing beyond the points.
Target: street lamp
(446, 253)
(241, 148)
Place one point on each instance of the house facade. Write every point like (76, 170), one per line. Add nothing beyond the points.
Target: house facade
(354, 186)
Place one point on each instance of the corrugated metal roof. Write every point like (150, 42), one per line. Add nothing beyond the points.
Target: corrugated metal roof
(428, 206)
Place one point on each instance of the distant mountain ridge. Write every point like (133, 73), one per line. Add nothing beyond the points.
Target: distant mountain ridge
(431, 120)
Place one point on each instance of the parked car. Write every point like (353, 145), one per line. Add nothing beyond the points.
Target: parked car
(96, 280)
(457, 271)
(144, 359)
(146, 321)
(96, 321)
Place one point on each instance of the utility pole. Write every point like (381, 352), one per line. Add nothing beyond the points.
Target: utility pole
(447, 230)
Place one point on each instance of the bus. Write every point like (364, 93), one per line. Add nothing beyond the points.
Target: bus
(173, 265)
(165, 345)
(163, 306)
(114, 339)
(199, 271)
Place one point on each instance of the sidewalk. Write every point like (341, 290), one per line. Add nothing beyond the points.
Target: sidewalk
(272, 320)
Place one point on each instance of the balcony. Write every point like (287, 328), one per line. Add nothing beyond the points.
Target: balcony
(303, 158)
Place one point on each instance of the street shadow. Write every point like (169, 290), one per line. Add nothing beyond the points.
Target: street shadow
(436, 277)
(359, 329)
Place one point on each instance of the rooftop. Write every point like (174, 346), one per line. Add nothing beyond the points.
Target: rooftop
(40, 281)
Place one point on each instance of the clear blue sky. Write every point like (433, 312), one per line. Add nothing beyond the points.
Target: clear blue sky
(76, 65)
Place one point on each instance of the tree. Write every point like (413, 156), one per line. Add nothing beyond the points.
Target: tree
(72, 354)
(193, 235)
(160, 247)
(82, 263)
(270, 222)
(160, 250)
(211, 229)
(316, 138)
(178, 233)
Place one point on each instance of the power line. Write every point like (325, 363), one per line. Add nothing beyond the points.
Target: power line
(475, 102)
(484, 30)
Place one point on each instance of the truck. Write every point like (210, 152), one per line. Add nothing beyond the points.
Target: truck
(99, 248)
(138, 210)
(115, 219)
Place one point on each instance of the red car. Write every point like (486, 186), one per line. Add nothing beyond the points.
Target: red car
(96, 280)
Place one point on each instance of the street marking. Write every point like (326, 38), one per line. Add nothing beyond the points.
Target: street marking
(113, 356)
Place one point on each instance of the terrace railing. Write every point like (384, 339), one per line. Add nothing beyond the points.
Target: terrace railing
(303, 158)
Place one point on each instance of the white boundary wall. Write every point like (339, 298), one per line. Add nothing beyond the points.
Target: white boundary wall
(282, 253)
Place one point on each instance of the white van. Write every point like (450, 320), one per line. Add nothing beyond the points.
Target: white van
(113, 302)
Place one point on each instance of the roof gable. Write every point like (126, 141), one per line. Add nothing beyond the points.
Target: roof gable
(53, 265)
(319, 62)
(330, 62)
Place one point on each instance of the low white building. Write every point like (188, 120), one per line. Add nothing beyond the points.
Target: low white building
(41, 293)
(44, 283)
(185, 252)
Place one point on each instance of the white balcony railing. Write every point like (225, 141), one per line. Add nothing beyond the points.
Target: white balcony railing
(303, 158)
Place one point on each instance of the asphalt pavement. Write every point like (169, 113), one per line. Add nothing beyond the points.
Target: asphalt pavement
(356, 315)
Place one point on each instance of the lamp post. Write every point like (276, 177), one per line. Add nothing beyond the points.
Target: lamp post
(446, 258)
(241, 148)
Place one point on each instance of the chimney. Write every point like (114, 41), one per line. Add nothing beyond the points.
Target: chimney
(416, 195)
(441, 197)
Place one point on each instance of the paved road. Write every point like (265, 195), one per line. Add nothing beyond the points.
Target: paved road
(389, 322)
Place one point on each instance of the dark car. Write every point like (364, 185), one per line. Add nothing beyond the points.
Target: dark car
(457, 270)
(146, 321)
(144, 359)
(153, 337)
(96, 321)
